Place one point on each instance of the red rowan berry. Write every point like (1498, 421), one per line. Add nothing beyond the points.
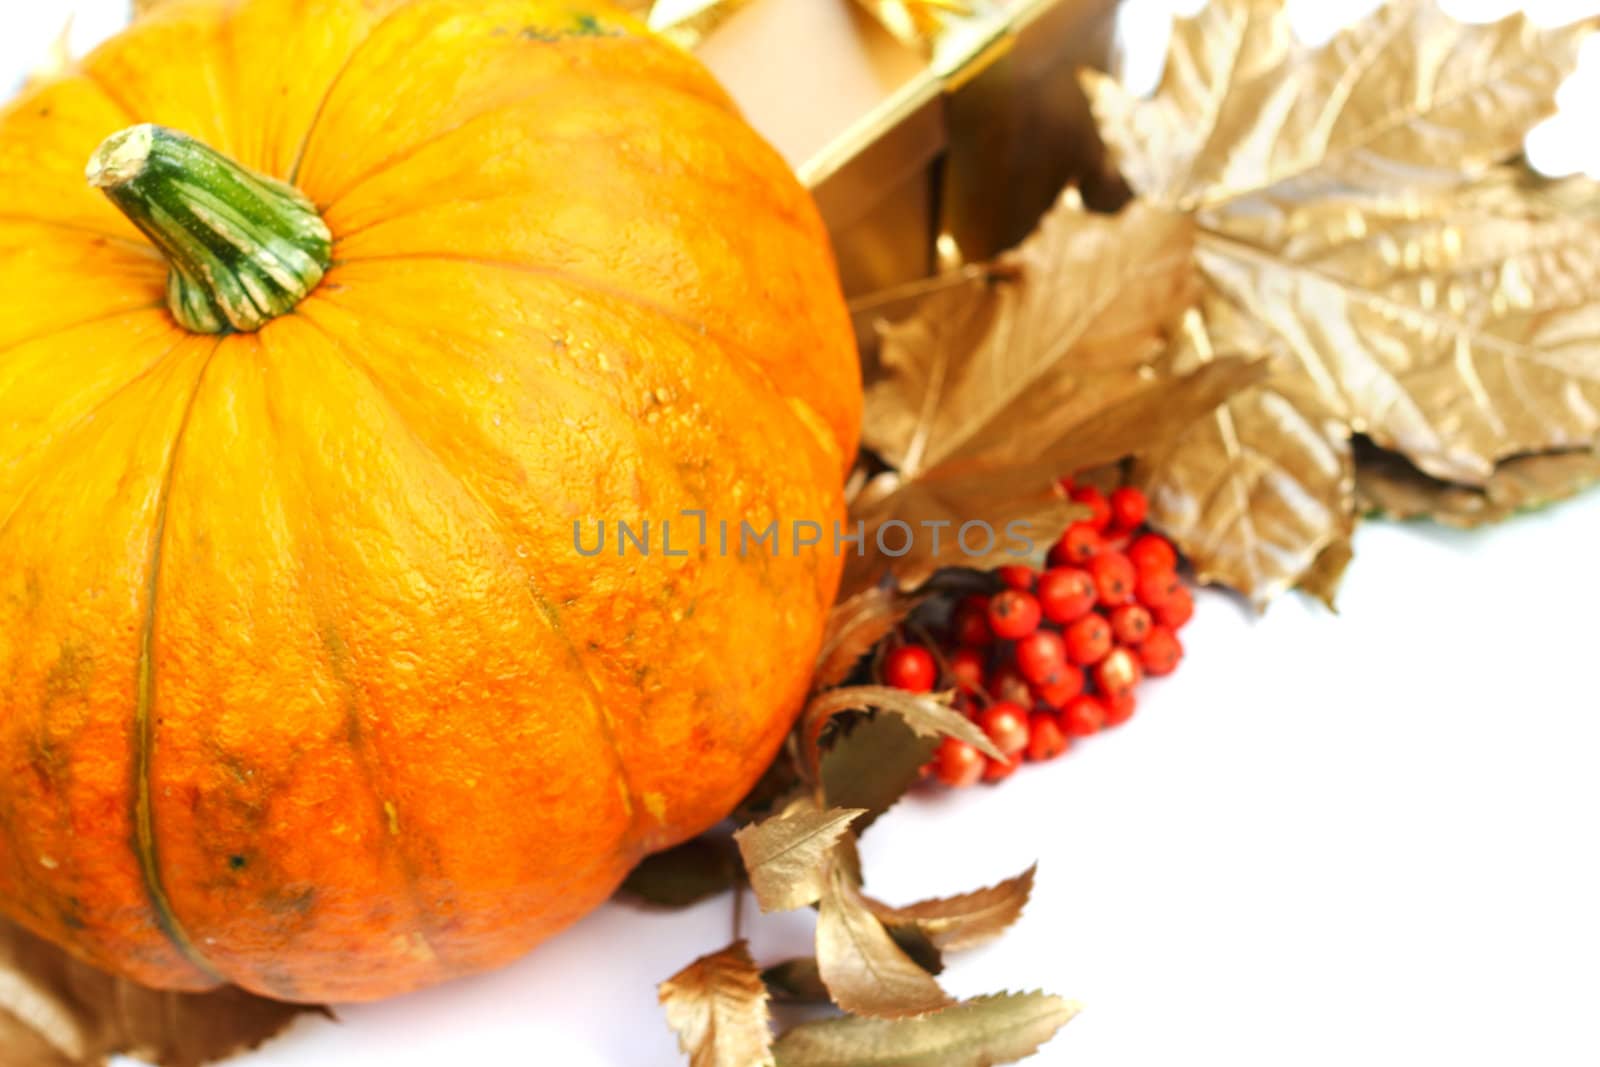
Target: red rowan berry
(957, 764)
(1176, 611)
(1120, 709)
(1007, 726)
(1152, 552)
(1129, 508)
(1066, 594)
(1161, 651)
(1154, 588)
(1067, 684)
(1083, 716)
(967, 669)
(1013, 614)
(1118, 674)
(1114, 578)
(1093, 499)
(1130, 623)
(910, 667)
(1016, 576)
(1079, 544)
(1046, 739)
(1088, 640)
(1040, 655)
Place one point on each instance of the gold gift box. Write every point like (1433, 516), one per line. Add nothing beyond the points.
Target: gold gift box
(932, 132)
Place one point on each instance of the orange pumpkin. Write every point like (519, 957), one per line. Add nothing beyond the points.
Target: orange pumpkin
(304, 682)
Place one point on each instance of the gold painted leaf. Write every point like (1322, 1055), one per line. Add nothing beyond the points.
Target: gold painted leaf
(1256, 490)
(1356, 226)
(865, 971)
(955, 924)
(1000, 384)
(976, 1033)
(683, 876)
(718, 1008)
(1388, 485)
(1408, 97)
(1327, 572)
(1458, 326)
(57, 1012)
(928, 715)
(873, 763)
(787, 856)
(796, 981)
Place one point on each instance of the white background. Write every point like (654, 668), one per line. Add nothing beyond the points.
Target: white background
(1328, 840)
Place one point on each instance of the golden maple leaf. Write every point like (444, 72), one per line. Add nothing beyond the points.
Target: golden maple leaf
(1014, 375)
(1354, 223)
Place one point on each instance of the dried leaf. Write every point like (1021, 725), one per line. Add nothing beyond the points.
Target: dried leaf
(1386, 484)
(57, 1012)
(856, 624)
(928, 714)
(796, 981)
(1355, 225)
(873, 764)
(998, 385)
(975, 1033)
(718, 1008)
(786, 857)
(955, 924)
(865, 971)
(686, 875)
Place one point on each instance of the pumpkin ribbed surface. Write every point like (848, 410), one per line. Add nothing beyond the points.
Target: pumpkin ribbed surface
(304, 684)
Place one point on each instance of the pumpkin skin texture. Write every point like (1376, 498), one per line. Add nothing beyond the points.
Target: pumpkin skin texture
(304, 685)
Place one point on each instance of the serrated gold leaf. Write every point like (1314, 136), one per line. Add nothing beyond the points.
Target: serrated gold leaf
(57, 1012)
(718, 1008)
(998, 385)
(982, 1032)
(1355, 226)
(955, 924)
(865, 972)
(928, 714)
(873, 765)
(787, 856)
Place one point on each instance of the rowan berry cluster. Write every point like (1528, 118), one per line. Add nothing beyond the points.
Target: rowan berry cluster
(1049, 656)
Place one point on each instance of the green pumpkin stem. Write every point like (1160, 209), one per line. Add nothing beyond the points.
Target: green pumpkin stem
(243, 248)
